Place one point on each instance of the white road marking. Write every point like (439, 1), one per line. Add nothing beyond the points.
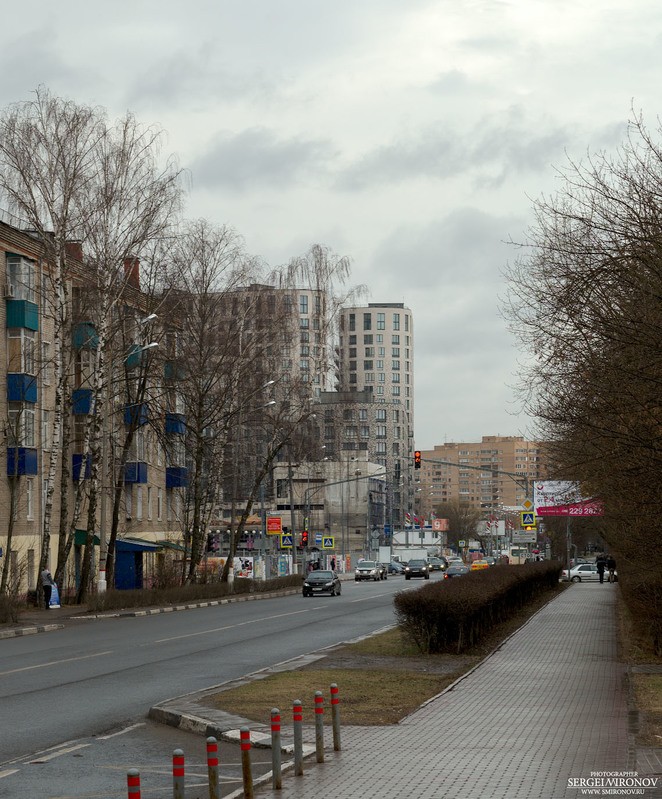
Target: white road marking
(54, 663)
(8, 772)
(227, 627)
(121, 732)
(60, 752)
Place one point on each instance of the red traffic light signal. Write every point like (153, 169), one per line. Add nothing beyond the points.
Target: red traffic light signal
(304, 538)
(417, 459)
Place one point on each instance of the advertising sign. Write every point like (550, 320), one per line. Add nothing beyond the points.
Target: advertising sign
(563, 498)
(274, 525)
(440, 525)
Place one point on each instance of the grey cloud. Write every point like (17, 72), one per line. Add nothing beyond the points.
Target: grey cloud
(256, 157)
(488, 153)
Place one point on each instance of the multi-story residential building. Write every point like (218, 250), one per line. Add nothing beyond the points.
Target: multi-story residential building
(372, 413)
(495, 473)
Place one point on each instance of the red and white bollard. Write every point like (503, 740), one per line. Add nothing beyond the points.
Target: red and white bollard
(178, 777)
(276, 765)
(247, 774)
(335, 716)
(297, 716)
(319, 726)
(133, 783)
(213, 769)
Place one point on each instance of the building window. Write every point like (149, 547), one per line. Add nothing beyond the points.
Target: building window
(395, 365)
(381, 431)
(367, 365)
(380, 415)
(363, 415)
(46, 365)
(159, 504)
(21, 431)
(352, 323)
(21, 276)
(365, 431)
(29, 498)
(45, 429)
(381, 321)
(369, 352)
(128, 501)
(149, 502)
(369, 377)
(396, 321)
(304, 323)
(303, 303)
(367, 321)
(395, 391)
(395, 377)
(395, 339)
(352, 340)
(139, 502)
(21, 344)
(381, 377)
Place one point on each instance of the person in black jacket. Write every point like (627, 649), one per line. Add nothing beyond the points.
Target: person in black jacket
(601, 563)
(611, 568)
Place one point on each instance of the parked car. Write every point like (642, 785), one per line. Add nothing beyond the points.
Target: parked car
(456, 569)
(437, 564)
(585, 572)
(321, 582)
(369, 570)
(417, 568)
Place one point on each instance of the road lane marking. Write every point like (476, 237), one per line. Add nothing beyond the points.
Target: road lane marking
(55, 663)
(8, 772)
(227, 627)
(60, 752)
(120, 732)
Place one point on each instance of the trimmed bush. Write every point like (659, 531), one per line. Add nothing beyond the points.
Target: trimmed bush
(453, 615)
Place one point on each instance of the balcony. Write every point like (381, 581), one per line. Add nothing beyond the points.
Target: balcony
(81, 401)
(135, 472)
(136, 415)
(22, 313)
(173, 370)
(21, 460)
(85, 336)
(175, 423)
(77, 466)
(21, 388)
(176, 477)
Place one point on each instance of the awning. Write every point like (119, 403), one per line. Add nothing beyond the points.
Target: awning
(80, 538)
(134, 545)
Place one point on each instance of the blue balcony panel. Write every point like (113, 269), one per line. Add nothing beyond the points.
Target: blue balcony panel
(21, 460)
(137, 415)
(135, 472)
(81, 401)
(176, 477)
(85, 336)
(21, 388)
(173, 370)
(22, 313)
(175, 423)
(77, 466)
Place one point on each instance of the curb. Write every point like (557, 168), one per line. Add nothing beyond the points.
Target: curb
(42, 628)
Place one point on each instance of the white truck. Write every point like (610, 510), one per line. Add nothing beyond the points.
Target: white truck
(405, 554)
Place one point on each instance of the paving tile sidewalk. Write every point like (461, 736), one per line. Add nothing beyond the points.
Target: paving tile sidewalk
(550, 705)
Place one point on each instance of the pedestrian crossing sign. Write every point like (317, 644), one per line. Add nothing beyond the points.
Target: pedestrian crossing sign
(328, 542)
(527, 519)
(286, 541)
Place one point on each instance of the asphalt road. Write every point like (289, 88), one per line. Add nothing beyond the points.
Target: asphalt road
(94, 679)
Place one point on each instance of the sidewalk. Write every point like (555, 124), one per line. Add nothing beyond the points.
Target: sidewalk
(549, 706)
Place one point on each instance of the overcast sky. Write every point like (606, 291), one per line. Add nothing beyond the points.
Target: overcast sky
(409, 135)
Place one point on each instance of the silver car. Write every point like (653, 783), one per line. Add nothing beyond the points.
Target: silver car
(585, 572)
(369, 570)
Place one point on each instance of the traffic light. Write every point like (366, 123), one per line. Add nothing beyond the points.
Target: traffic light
(304, 538)
(417, 459)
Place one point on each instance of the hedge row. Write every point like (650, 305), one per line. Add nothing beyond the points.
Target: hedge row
(453, 615)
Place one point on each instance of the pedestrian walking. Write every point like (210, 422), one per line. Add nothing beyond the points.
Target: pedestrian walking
(601, 563)
(333, 564)
(611, 568)
(47, 583)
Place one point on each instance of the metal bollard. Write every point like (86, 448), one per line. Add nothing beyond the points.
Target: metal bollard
(276, 772)
(212, 768)
(297, 712)
(319, 726)
(245, 737)
(178, 777)
(133, 783)
(335, 716)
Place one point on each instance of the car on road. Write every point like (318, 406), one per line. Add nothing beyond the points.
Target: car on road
(417, 568)
(437, 564)
(369, 570)
(395, 567)
(585, 573)
(456, 569)
(477, 565)
(321, 582)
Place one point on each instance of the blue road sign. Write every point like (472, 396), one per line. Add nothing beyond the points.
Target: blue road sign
(328, 542)
(286, 541)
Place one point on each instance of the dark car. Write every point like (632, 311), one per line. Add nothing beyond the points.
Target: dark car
(417, 568)
(321, 582)
(395, 567)
(437, 564)
(369, 570)
(456, 569)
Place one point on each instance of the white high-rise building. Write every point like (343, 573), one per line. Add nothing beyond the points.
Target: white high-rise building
(375, 363)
